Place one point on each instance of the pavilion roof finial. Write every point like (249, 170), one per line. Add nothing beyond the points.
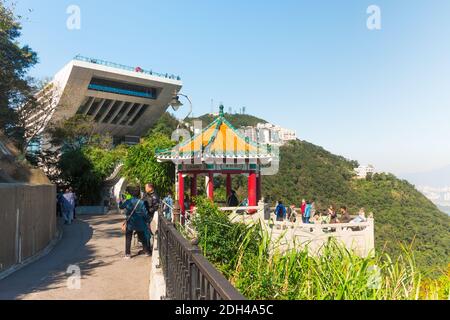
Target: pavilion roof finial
(221, 113)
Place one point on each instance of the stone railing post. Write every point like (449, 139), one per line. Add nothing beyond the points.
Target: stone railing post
(176, 212)
(370, 236)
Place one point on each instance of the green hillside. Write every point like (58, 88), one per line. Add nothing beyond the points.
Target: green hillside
(237, 120)
(402, 214)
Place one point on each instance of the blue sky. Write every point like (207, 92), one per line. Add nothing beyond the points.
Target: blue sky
(379, 97)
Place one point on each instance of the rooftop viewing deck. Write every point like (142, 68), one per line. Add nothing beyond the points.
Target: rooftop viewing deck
(127, 68)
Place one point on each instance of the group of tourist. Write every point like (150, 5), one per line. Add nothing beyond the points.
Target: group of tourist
(138, 209)
(309, 214)
(66, 204)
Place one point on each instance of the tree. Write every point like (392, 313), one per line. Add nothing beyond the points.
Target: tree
(40, 107)
(166, 125)
(141, 164)
(15, 61)
(65, 136)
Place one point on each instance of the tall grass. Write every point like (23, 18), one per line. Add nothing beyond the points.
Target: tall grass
(260, 271)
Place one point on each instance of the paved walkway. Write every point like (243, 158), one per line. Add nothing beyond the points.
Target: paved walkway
(96, 245)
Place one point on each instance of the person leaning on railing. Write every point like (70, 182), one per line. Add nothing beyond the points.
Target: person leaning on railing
(361, 217)
(345, 216)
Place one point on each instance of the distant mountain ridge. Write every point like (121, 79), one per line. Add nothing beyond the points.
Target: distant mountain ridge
(444, 209)
(439, 178)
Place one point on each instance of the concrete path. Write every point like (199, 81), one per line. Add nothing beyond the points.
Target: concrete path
(94, 244)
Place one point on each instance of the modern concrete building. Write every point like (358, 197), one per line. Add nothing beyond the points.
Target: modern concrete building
(123, 101)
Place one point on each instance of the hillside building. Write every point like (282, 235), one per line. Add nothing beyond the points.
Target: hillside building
(122, 101)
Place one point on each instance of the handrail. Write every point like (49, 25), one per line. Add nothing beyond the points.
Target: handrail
(239, 208)
(126, 68)
(187, 273)
(368, 223)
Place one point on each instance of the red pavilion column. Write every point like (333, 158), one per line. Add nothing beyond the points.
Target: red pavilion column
(211, 186)
(194, 186)
(229, 185)
(193, 190)
(181, 192)
(252, 192)
(258, 187)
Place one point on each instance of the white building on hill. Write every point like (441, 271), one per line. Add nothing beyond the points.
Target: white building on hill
(268, 133)
(363, 171)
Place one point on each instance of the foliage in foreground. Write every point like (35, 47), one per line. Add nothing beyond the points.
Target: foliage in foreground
(247, 258)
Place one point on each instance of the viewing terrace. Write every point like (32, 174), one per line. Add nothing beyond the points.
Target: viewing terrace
(126, 68)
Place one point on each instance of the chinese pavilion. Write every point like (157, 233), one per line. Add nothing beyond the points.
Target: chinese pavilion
(219, 149)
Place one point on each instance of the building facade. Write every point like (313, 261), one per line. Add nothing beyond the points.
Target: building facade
(122, 101)
(268, 133)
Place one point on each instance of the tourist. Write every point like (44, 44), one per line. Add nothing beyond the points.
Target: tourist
(167, 207)
(152, 199)
(361, 217)
(138, 218)
(325, 217)
(68, 206)
(187, 203)
(315, 219)
(152, 202)
(333, 215)
(303, 209)
(293, 214)
(345, 216)
(280, 211)
(313, 208)
(233, 200)
(308, 210)
(75, 201)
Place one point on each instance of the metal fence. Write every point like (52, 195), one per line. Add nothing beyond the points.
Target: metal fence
(126, 68)
(188, 275)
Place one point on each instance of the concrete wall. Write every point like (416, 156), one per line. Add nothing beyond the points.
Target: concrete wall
(27, 221)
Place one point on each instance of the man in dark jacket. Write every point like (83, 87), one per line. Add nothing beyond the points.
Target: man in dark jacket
(233, 200)
(151, 199)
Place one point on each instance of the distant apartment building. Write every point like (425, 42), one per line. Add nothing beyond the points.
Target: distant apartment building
(363, 171)
(122, 101)
(267, 133)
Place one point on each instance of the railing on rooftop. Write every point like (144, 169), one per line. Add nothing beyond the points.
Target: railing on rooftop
(127, 68)
(187, 273)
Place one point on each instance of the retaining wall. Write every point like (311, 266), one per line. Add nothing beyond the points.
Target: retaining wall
(27, 221)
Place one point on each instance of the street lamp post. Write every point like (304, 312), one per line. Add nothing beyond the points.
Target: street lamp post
(176, 104)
